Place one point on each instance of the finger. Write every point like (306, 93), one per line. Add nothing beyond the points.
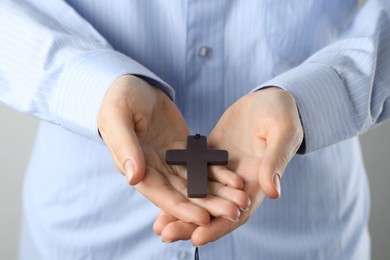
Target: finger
(222, 175)
(157, 189)
(239, 197)
(278, 154)
(177, 230)
(161, 221)
(171, 229)
(217, 207)
(122, 141)
(218, 228)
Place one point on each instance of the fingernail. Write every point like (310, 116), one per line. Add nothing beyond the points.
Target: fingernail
(245, 210)
(249, 204)
(230, 219)
(129, 170)
(169, 241)
(233, 220)
(277, 184)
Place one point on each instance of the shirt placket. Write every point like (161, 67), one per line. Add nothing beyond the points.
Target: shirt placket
(203, 93)
(204, 86)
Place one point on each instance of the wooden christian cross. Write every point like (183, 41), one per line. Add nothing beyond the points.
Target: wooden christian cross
(197, 157)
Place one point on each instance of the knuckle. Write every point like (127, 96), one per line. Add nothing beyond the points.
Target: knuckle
(287, 126)
(283, 161)
(299, 134)
(119, 151)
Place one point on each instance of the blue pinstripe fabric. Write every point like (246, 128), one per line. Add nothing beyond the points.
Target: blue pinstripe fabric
(57, 59)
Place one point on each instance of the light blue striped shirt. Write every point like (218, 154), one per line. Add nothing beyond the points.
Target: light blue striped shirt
(57, 59)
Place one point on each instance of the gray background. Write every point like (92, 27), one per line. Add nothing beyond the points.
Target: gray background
(17, 136)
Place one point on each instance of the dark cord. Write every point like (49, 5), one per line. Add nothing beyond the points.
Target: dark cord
(196, 253)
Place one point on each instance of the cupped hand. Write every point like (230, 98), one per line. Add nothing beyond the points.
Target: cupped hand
(262, 132)
(139, 123)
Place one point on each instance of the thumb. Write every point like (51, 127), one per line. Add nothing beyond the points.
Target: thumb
(276, 157)
(122, 141)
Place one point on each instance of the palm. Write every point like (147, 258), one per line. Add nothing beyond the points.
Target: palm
(262, 132)
(243, 157)
(166, 131)
(162, 127)
(246, 150)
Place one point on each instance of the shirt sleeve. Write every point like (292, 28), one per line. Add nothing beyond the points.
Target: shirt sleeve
(343, 89)
(55, 66)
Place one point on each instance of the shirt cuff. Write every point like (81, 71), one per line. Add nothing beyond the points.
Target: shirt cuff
(84, 83)
(322, 103)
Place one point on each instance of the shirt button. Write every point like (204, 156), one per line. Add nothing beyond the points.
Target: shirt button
(182, 255)
(204, 51)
